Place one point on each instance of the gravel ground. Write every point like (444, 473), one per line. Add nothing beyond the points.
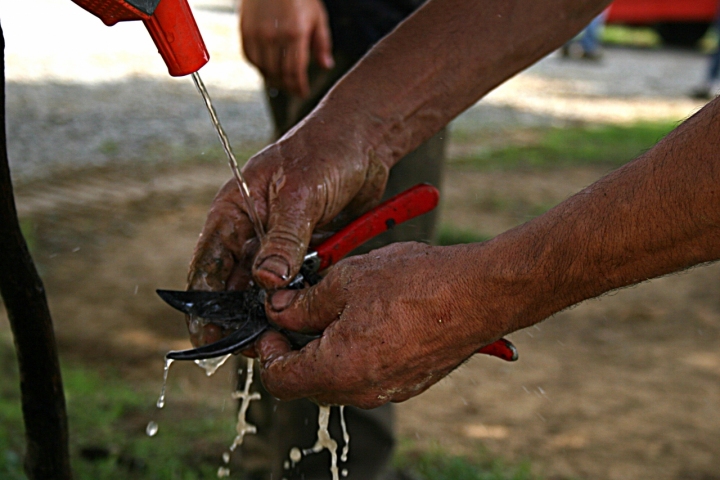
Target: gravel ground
(80, 93)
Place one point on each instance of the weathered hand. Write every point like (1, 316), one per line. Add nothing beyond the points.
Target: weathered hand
(278, 37)
(393, 323)
(295, 188)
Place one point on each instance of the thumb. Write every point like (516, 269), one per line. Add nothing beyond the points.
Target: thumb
(322, 44)
(310, 310)
(291, 220)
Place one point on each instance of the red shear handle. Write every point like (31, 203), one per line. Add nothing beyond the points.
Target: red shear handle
(402, 207)
(177, 37)
(502, 348)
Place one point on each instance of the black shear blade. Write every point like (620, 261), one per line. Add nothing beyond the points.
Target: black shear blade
(238, 340)
(226, 306)
(243, 311)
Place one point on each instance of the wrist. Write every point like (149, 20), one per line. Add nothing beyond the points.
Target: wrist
(510, 283)
(345, 130)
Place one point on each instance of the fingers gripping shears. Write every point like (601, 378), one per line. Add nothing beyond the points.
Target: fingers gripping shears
(244, 311)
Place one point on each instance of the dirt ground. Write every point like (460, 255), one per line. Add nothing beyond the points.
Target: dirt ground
(623, 387)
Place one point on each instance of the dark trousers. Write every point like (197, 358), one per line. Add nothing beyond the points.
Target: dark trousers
(284, 425)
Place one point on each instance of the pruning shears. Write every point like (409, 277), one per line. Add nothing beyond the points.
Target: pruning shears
(244, 310)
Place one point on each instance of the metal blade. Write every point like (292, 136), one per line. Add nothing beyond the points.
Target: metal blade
(238, 340)
(226, 307)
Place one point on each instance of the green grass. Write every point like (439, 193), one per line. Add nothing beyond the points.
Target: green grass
(438, 465)
(27, 228)
(647, 37)
(449, 235)
(641, 37)
(107, 418)
(603, 145)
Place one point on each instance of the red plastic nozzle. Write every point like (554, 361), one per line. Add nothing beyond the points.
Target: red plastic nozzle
(171, 25)
(177, 37)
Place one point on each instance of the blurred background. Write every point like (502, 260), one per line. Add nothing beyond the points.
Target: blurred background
(115, 165)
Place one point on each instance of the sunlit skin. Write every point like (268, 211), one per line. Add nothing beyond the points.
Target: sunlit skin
(397, 320)
(280, 37)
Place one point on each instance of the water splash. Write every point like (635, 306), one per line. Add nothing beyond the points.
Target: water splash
(161, 399)
(211, 365)
(325, 441)
(243, 427)
(242, 184)
(346, 437)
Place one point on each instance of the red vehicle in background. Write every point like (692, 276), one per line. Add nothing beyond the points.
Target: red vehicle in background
(678, 22)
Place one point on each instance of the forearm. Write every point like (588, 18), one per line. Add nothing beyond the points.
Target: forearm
(656, 215)
(440, 61)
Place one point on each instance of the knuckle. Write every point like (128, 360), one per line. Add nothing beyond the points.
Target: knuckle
(265, 32)
(292, 33)
(286, 244)
(290, 79)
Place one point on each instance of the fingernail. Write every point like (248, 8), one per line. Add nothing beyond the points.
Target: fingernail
(329, 61)
(281, 299)
(275, 265)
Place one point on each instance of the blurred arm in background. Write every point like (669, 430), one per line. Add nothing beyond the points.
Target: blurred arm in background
(281, 37)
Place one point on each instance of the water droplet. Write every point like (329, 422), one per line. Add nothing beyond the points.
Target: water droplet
(295, 454)
(223, 472)
(344, 472)
(194, 326)
(151, 429)
(226, 457)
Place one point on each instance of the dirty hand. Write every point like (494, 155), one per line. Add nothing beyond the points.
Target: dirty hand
(393, 323)
(298, 183)
(278, 37)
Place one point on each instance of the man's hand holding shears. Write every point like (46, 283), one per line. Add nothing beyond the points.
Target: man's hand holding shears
(372, 311)
(297, 194)
(394, 321)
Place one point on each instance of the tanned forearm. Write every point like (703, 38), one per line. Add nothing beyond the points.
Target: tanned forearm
(440, 61)
(656, 215)
(397, 321)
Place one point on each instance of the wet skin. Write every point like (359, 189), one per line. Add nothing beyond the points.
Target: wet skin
(333, 165)
(293, 209)
(383, 338)
(397, 320)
